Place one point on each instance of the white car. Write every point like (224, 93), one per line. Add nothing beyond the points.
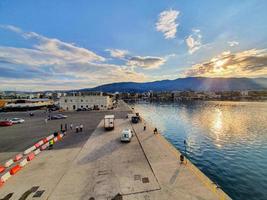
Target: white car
(126, 135)
(17, 120)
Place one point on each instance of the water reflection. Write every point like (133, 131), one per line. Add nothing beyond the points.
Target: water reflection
(227, 141)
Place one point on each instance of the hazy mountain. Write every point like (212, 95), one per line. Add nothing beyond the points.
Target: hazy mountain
(190, 83)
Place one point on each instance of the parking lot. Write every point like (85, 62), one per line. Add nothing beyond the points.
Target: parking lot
(18, 137)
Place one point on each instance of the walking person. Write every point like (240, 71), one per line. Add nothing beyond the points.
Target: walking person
(81, 127)
(144, 126)
(66, 127)
(155, 131)
(71, 125)
(45, 120)
(61, 127)
(51, 144)
(77, 129)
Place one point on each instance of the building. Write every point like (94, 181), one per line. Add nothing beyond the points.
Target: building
(85, 101)
(26, 104)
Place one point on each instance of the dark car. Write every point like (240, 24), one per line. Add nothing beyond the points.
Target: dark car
(135, 119)
(6, 123)
(58, 116)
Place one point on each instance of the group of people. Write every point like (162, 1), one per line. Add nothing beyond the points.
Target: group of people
(78, 128)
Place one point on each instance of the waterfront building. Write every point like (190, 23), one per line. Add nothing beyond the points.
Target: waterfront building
(85, 102)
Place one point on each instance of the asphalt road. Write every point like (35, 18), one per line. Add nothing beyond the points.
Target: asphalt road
(18, 137)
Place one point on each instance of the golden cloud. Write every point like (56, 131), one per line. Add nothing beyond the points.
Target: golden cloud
(250, 63)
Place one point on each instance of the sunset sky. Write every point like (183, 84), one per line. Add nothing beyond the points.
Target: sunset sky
(63, 44)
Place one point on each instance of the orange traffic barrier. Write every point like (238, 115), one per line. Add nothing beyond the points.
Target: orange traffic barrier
(18, 157)
(43, 147)
(15, 169)
(45, 140)
(37, 145)
(30, 156)
(2, 169)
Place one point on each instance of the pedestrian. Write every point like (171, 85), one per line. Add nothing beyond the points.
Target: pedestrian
(71, 125)
(61, 127)
(144, 126)
(81, 127)
(77, 129)
(51, 143)
(66, 127)
(155, 131)
(181, 159)
(45, 120)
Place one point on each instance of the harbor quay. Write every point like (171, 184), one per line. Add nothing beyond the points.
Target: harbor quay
(94, 164)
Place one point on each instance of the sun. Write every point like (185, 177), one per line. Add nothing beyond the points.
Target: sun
(218, 66)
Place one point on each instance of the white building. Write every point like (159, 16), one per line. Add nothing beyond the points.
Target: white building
(75, 102)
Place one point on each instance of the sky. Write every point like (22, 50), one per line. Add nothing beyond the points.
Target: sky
(63, 44)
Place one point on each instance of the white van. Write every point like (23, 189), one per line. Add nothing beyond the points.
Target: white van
(126, 135)
(109, 122)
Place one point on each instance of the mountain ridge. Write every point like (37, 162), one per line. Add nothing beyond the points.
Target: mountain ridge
(189, 83)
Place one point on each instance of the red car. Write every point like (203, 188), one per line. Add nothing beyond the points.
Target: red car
(6, 123)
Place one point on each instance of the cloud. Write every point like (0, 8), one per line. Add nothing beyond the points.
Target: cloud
(147, 62)
(47, 49)
(117, 53)
(250, 63)
(167, 23)
(53, 64)
(233, 43)
(193, 41)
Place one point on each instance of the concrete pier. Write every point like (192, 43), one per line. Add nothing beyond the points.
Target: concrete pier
(102, 167)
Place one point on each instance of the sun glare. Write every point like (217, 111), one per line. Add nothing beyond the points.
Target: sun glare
(217, 68)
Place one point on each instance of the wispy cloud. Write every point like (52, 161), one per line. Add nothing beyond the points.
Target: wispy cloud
(117, 53)
(55, 48)
(167, 23)
(193, 41)
(250, 63)
(146, 62)
(233, 43)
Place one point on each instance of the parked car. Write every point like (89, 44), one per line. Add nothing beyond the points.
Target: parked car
(58, 116)
(17, 120)
(6, 123)
(135, 119)
(126, 135)
(62, 116)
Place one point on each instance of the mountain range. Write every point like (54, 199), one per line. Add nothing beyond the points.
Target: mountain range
(182, 84)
